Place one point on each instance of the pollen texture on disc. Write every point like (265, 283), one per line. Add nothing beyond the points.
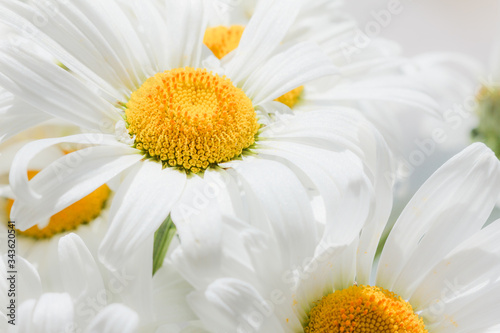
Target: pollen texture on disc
(191, 118)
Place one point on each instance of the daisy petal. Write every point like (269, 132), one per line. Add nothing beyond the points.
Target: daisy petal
(266, 29)
(281, 197)
(286, 71)
(186, 23)
(320, 169)
(17, 116)
(115, 318)
(454, 203)
(230, 305)
(53, 313)
(29, 283)
(53, 90)
(147, 194)
(449, 282)
(80, 274)
(170, 303)
(91, 39)
(66, 180)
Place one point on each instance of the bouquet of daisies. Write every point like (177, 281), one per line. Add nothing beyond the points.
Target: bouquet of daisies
(231, 166)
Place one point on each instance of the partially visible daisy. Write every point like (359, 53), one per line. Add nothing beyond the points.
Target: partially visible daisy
(488, 106)
(371, 69)
(438, 271)
(86, 217)
(91, 299)
(182, 124)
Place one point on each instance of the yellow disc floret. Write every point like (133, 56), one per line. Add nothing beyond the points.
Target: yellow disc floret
(291, 98)
(221, 40)
(81, 212)
(364, 309)
(191, 118)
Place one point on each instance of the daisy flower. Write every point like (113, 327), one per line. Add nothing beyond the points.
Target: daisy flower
(91, 299)
(488, 106)
(371, 69)
(438, 271)
(180, 127)
(87, 216)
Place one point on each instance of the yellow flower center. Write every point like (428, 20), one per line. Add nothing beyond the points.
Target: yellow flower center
(191, 118)
(364, 309)
(222, 40)
(81, 212)
(488, 111)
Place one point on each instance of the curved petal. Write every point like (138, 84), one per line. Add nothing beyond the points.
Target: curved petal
(30, 285)
(96, 40)
(66, 180)
(467, 270)
(52, 313)
(48, 87)
(454, 202)
(170, 296)
(284, 204)
(266, 29)
(80, 275)
(147, 195)
(229, 305)
(115, 318)
(293, 67)
(335, 176)
(17, 116)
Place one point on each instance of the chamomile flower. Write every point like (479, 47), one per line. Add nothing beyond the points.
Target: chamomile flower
(86, 217)
(181, 125)
(438, 271)
(488, 106)
(371, 69)
(93, 299)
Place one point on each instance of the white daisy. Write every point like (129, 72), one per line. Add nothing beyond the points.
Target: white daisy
(371, 69)
(438, 272)
(91, 299)
(87, 216)
(488, 105)
(123, 71)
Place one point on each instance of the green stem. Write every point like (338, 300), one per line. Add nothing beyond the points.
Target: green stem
(163, 237)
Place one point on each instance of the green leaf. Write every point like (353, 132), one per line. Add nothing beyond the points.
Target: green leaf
(163, 237)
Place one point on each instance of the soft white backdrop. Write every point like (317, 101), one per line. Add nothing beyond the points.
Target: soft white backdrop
(468, 26)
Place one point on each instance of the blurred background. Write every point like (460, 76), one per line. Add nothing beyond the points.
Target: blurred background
(466, 26)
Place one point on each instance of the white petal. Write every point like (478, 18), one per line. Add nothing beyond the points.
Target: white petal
(80, 275)
(283, 200)
(17, 116)
(332, 268)
(115, 318)
(47, 87)
(452, 204)
(473, 265)
(186, 22)
(339, 180)
(262, 35)
(475, 312)
(385, 90)
(207, 246)
(29, 283)
(141, 204)
(229, 305)
(66, 180)
(97, 41)
(52, 313)
(170, 296)
(291, 68)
